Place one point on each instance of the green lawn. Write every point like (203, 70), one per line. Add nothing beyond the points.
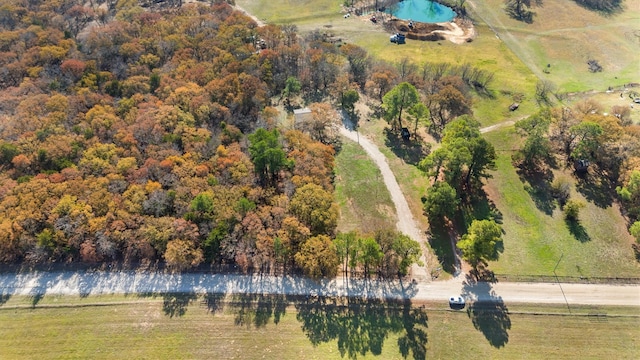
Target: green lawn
(365, 202)
(293, 11)
(536, 235)
(565, 36)
(249, 327)
(512, 79)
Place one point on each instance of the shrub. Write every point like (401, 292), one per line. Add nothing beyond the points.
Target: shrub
(572, 209)
(561, 189)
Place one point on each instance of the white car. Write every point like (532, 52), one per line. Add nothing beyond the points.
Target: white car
(456, 301)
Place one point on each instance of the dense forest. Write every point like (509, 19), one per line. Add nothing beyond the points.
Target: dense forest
(139, 136)
(146, 135)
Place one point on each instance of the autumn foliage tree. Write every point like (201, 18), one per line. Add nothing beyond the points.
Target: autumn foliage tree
(147, 137)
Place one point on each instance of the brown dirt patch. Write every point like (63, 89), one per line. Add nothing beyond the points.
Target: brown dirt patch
(458, 31)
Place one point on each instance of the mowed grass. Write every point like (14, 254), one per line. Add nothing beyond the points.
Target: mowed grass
(242, 330)
(537, 236)
(565, 36)
(292, 11)
(365, 202)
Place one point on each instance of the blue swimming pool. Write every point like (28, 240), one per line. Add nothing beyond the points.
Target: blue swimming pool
(423, 11)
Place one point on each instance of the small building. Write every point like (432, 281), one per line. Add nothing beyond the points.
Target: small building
(300, 116)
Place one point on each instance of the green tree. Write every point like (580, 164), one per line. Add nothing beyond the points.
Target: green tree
(346, 244)
(267, 155)
(370, 255)
(399, 252)
(420, 114)
(537, 147)
(441, 200)
(586, 139)
(201, 208)
(318, 258)
(348, 100)
(634, 230)
(291, 88)
(464, 157)
(402, 97)
(404, 252)
(480, 242)
(630, 194)
(434, 162)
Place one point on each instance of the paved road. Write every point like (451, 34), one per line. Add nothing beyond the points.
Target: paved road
(130, 282)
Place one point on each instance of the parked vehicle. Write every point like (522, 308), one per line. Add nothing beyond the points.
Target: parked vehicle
(397, 38)
(456, 302)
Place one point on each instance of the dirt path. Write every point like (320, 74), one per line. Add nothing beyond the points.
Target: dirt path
(36, 284)
(255, 18)
(496, 126)
(406, 224)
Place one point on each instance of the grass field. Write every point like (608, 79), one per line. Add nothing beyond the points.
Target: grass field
(186, 326)
(365, 202)
(565, 36)
(536, 235)
(298, 12)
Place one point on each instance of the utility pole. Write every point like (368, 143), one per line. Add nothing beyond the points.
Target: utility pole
(560, 285)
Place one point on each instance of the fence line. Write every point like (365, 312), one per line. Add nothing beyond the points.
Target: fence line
(566, 279)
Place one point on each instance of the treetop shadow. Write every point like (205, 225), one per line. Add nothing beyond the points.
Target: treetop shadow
(597, 189)
(578, 230)
(539, 188)
(361, 325)
(175, 304)
(411, 151)
(488, 312)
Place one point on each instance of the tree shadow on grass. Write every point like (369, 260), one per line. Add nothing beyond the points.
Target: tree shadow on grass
(440, 242)
(257, 310)
(175, 304)
(4, 298)
(577, 230)
(488, 312)
(537, 184)
(214, 302)
(35, 299)
(360, 326)
(412, 151)
(478, 207)
(596, 188)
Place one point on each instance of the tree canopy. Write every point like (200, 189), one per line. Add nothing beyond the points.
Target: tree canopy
(400, 98)
(480, 243)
